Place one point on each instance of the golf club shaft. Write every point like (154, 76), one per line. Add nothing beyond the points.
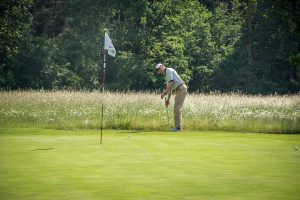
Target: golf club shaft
(167, 112)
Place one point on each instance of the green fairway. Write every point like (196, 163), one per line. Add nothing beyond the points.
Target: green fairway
(51, 164)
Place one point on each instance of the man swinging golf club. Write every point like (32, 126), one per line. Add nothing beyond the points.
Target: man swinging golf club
(174, 82)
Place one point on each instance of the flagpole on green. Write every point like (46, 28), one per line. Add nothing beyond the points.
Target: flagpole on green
(104, 66)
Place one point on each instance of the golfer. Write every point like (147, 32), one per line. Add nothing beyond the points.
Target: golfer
(174, 82)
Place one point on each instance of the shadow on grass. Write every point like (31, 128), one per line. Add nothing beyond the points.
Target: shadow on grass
(45, 149)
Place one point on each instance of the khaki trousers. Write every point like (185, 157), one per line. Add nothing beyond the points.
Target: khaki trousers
(180, 95)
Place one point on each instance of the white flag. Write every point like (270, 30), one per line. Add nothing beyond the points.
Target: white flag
(109, 46)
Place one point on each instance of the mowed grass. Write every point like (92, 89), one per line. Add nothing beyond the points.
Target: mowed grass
(56, 164)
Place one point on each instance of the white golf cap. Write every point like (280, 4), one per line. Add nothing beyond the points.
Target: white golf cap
(158, 65)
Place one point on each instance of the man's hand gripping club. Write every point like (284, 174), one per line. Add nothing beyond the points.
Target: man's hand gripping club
(168, 93)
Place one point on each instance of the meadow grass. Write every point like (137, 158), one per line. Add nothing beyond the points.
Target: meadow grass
(145, 111)
(62, 164)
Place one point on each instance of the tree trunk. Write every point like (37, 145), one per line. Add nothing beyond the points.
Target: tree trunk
(250, 16)
(53, 17)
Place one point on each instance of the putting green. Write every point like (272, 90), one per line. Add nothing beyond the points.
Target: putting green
(52, 164)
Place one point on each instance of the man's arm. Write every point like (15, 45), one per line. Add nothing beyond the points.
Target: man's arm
(167, 102)
(168, 91)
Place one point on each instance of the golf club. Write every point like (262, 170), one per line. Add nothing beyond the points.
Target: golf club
(167, 113)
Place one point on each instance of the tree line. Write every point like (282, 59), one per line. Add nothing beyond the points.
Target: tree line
(249, 46)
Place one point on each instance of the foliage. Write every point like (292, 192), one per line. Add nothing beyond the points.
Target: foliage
(58, 44)
(275, 47)
(15, 23)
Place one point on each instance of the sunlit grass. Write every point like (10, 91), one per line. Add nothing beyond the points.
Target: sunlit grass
(61, 164)
(146, 111)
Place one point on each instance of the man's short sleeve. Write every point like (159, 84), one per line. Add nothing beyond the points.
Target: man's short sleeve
(169, 75)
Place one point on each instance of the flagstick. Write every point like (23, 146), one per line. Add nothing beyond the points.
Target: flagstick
(101, 127)
(104, 66)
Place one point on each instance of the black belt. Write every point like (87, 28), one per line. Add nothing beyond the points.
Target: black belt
(179, 86)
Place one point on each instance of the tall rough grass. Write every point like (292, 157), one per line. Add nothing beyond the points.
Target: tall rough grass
(82, 110)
